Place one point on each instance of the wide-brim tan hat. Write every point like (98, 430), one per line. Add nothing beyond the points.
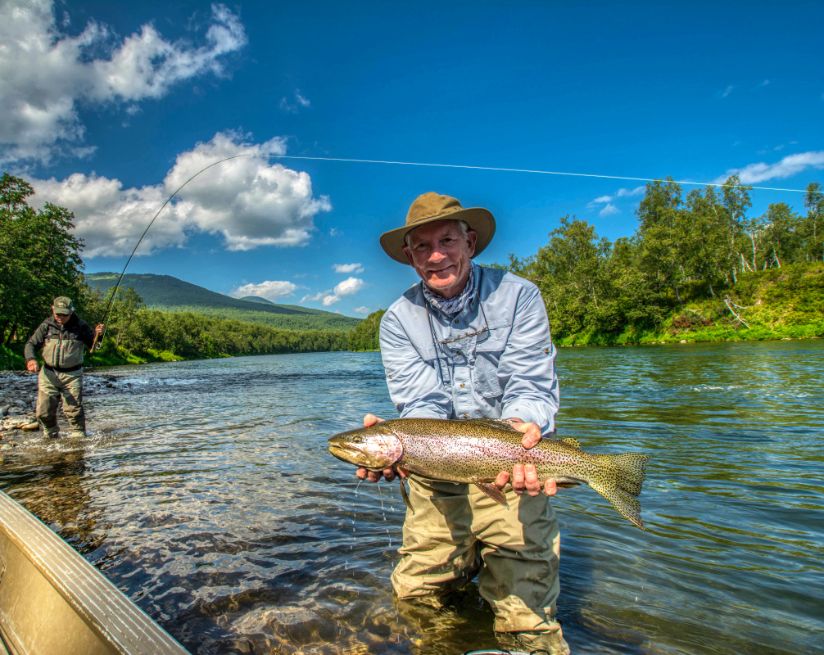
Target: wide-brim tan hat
(430, 207)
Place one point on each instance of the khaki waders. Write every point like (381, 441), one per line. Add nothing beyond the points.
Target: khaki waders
(456, 528)
(52, 385)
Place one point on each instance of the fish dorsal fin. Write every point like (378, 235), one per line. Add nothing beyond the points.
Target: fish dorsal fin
(569, 441)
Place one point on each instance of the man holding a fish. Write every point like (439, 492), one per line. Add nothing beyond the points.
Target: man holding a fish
(474, 342)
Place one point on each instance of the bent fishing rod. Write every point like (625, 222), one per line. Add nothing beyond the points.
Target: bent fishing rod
(96, 342)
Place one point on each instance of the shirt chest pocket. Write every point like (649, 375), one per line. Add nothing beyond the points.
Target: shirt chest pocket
(488, 352)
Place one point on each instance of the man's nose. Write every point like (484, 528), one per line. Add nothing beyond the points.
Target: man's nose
(437, 255)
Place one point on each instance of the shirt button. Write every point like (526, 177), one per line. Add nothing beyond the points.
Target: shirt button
(464, 415)
(462, 385)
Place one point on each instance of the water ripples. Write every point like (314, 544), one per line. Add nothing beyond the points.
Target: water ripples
(206, 493)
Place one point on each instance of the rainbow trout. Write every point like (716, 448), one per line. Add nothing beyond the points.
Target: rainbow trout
(474, 451)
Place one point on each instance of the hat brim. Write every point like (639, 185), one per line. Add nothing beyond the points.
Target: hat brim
(64, 312)
(479, 219)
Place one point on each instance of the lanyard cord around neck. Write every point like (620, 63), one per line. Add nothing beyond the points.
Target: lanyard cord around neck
(438, 344)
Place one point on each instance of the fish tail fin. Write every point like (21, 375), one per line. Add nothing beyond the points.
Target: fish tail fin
(619, 479)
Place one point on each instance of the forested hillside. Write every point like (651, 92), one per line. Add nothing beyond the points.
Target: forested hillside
(165, 292)
(693, 264)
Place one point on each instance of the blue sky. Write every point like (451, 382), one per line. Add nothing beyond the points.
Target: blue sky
(108, 107)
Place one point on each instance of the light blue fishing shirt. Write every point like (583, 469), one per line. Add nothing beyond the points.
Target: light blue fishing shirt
(494, 359)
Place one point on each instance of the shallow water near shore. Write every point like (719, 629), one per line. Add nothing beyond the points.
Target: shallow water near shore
(205, 493)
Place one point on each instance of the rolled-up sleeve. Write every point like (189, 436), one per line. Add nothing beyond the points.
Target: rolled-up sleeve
(413, 383)
(528, 365)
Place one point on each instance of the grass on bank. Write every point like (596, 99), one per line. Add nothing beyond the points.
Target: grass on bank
(778, 303)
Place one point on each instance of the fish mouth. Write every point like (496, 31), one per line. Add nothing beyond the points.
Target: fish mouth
(342, 452)
(350, 455)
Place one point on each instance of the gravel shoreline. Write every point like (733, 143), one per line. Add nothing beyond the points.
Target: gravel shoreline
(18, 396)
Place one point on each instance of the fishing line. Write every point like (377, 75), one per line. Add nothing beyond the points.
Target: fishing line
(145, 232)
(500, 169)
(389, 162)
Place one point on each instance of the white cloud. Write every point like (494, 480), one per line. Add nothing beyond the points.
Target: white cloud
(269, 289)
(608, 208)
(47, 75)
(348, 287)
(294, 104)
(348, 268)
(628, 193)
(361, 310)
(246, 200)
(787, 167)
(110, 219)
(726, 92)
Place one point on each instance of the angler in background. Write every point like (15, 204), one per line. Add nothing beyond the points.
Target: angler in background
(473, 342)
(63, 336)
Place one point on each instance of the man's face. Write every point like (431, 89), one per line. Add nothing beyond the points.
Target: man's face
(62, 319)
(440, 253)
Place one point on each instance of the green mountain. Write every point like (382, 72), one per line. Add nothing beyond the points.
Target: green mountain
(265, 301)
(172, 294)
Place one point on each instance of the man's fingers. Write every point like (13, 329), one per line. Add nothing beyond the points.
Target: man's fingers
(532, 434)
(550, 487)
(371, 419)
(502, 479)
(531, 482)
(374, 476)
(518, 478)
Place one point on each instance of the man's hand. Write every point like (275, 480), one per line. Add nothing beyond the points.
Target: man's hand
(524, 477)
(374, 476)
(31, 366)
(98, 329)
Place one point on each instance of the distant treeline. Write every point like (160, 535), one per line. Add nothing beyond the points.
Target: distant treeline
(149, 334)
(685, 250)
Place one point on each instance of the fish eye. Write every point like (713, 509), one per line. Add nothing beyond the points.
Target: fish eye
(357, 439)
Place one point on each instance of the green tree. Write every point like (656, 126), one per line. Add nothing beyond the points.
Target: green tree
(660, 237)
(706, 256)
(366, 334)
(736, 202)
(570, 272)
(813, 228)
(40, 259)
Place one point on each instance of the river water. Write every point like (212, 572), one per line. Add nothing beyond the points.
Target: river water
(206, 494)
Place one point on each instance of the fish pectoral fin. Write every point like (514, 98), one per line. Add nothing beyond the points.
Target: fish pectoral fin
(492, 491)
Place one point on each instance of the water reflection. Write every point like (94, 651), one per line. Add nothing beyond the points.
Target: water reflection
(207, 495)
